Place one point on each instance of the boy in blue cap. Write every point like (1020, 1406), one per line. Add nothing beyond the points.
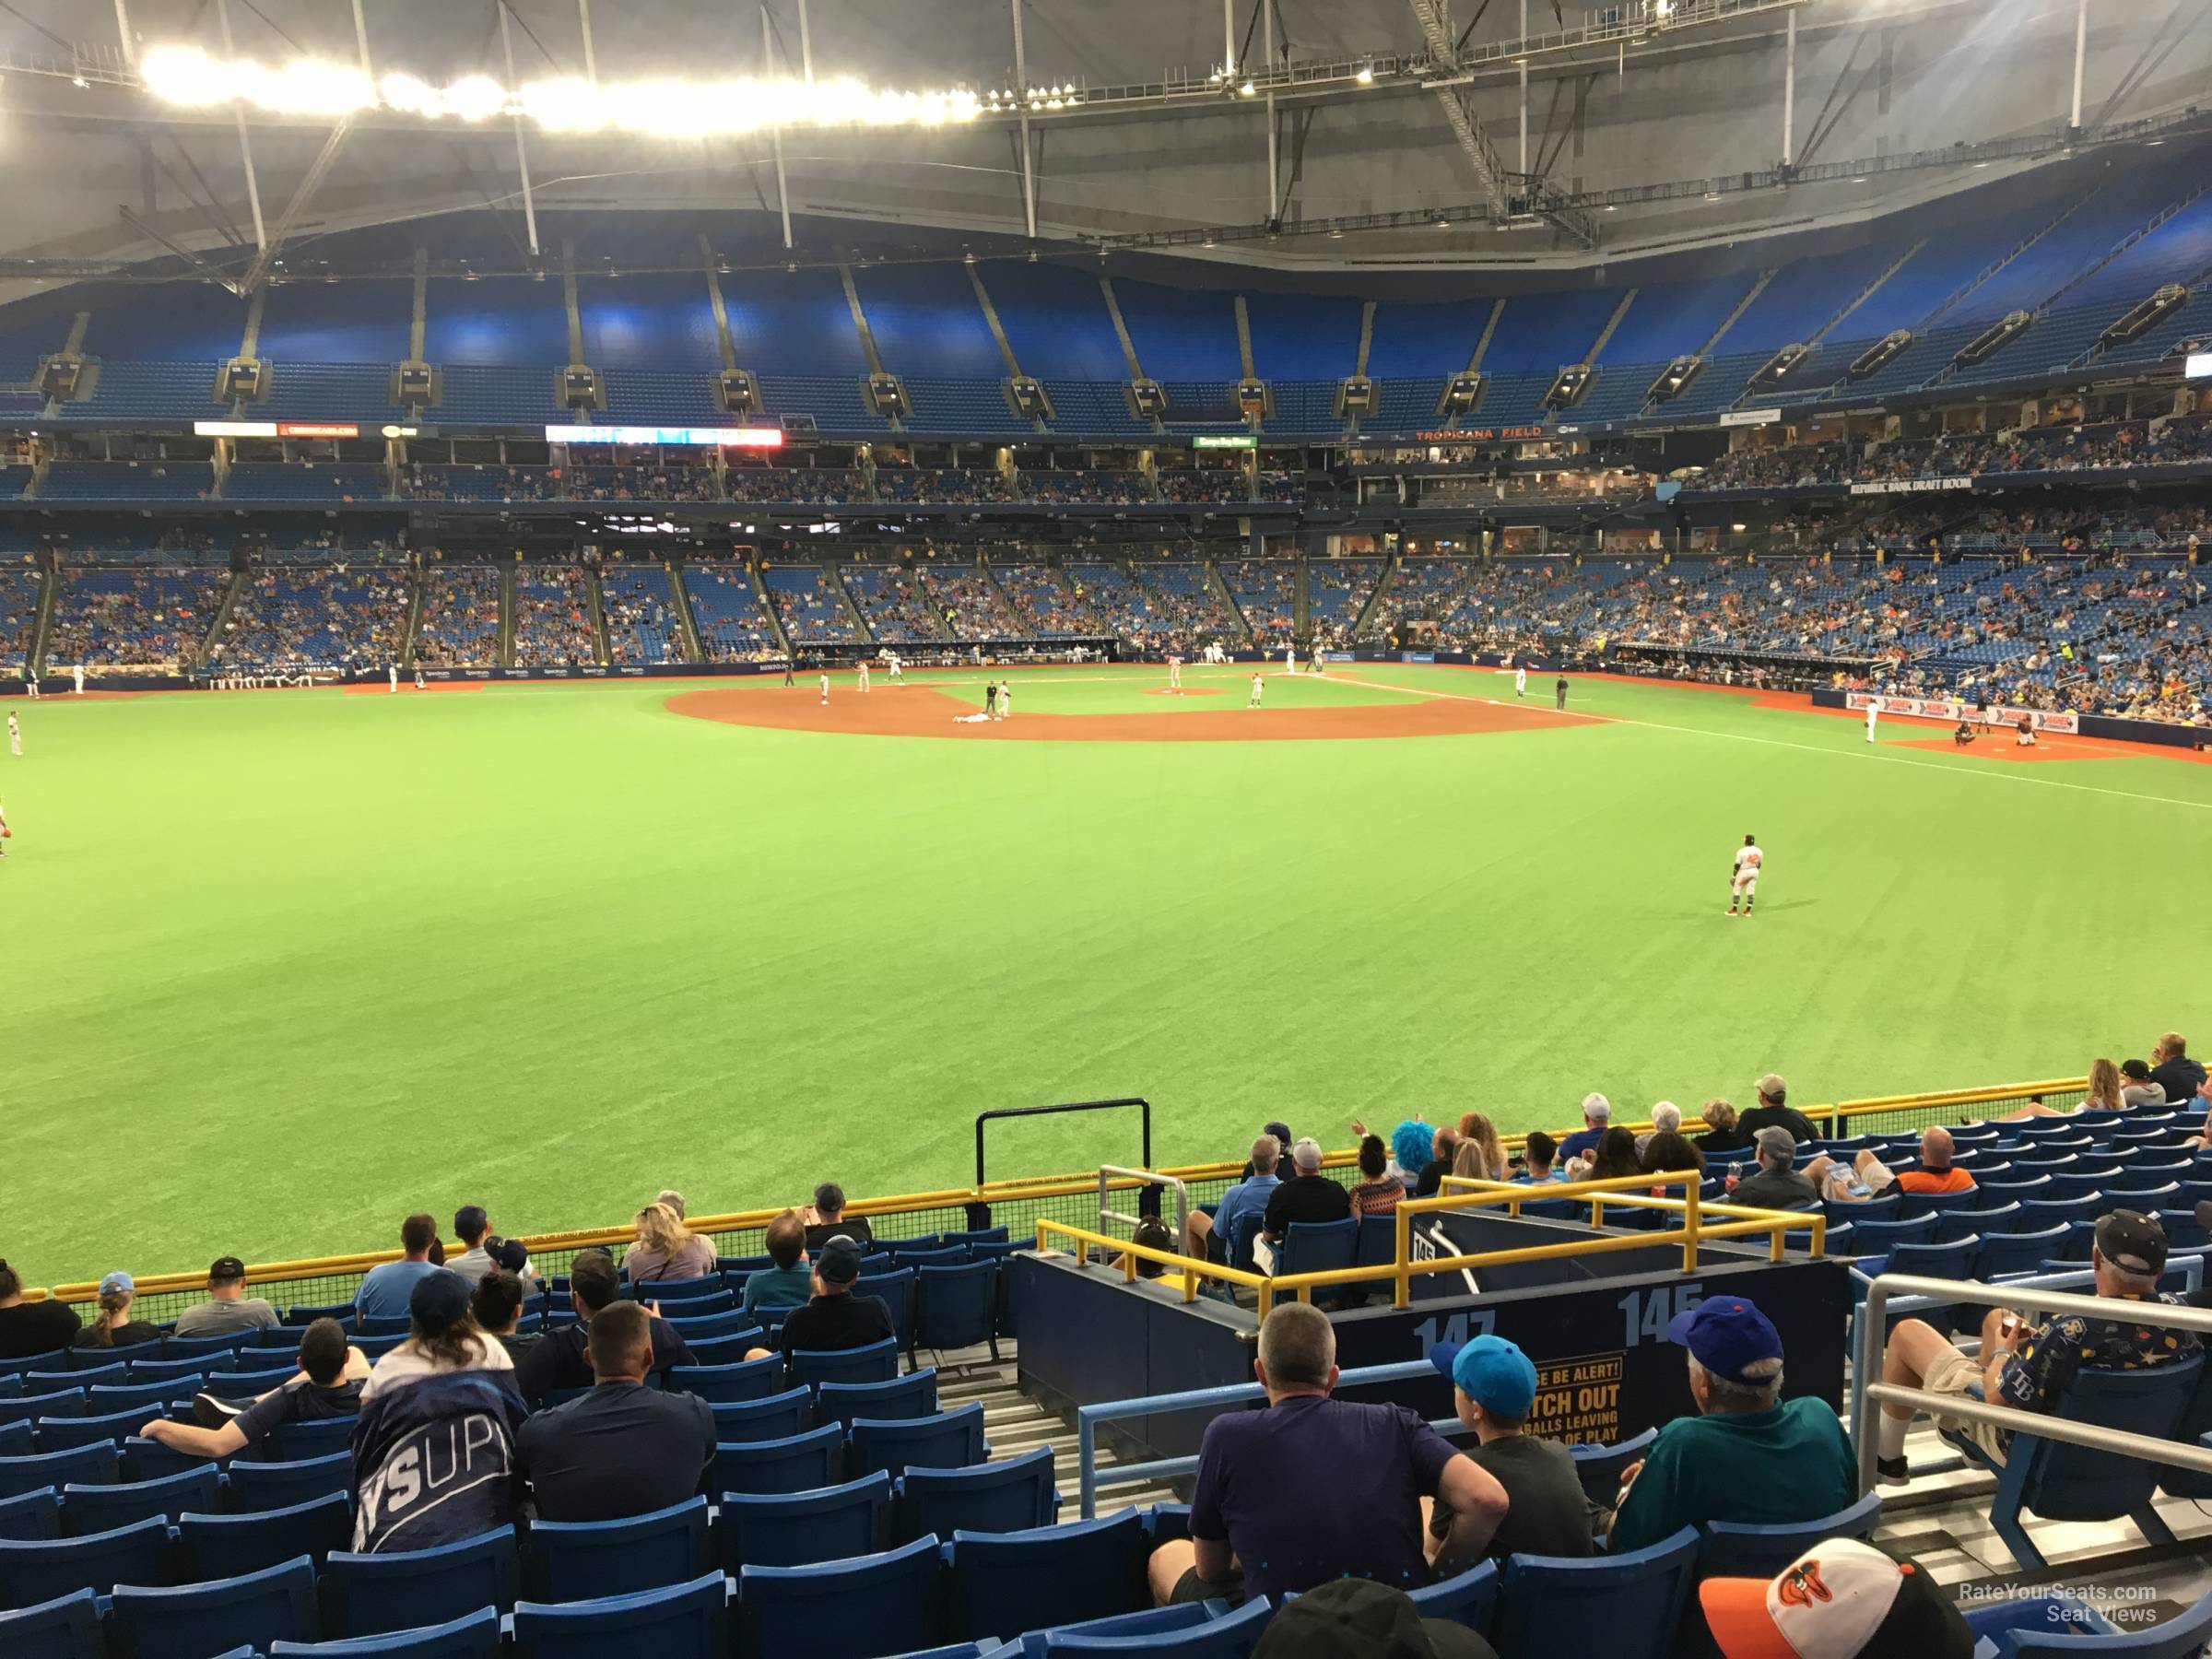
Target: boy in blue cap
(1750, 1455)
(1493, 1388)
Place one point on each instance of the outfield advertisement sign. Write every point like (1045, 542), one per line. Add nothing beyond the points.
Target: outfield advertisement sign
(1910, 486)
(1949, 710)
(1750, 417)
(1416, 656)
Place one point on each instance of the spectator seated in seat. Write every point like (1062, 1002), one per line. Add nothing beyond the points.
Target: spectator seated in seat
(666, 1249)
(112, 1326)
(2028, 1368)
(1256, 1527)
(561, 1361)
(834, 1317)
(485, 1249)
(1308, 1195)
(1598, 1113)
(1934, 1173)
(1494, 1388)
(1748, 1455)
(328, 1385)
(28, 1328)
(228, 1307)
(1774, 1112)
(496, 1304)
(1776, 1183)
(1211, 1236)
(386, 1288)
(1844, 1599)
(826, 1218)
(790, 1282)
(622, 1449)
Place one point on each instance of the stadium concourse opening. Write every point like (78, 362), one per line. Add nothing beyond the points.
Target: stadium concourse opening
(920, 712)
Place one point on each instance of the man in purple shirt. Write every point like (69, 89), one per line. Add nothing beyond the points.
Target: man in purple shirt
(1313, 1489)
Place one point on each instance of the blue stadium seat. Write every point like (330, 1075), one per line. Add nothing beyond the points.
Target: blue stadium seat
(957, 1305)
(1012, 1496)
(67, 1433)
(689, 1621)
(798, 1529)
(102, 1508)
(2039, 1213)
(2022, 1625)
(246, 1385)
(1879, 1237)
(951, 1439)
(213, 1544)
(1378, 1241)
(365, 1594)
(200, 1347)
(800, 1463)
(1231, 1636)
(74, 1376)
(982, 1235)
(2059, 1482)
(251, 1488)
(33, 1515)
(1625, 1606)
(1469, 1598)
(1317, 1246)
(876, 1362)
(717, 1351)
(1951, 1225)
(779, 1416)
(16, 1440)
(196, 1620)
(582, 1560)
(150, 1460)
(104, 1399)
(151, 1369)
(1146, 1622)
(912, 1395)
(301, 1442)
(1733, 1550)
(307, 1314)
(753, 1380)
(662, 1290)
(897, 1289)
(66, 1627)
(1599, 1467)
(53, 1359)
(710, 1327)
(86, 1465)
(34, 1403)
(1246, 1227)
(473, 1637)
(898, 1249)
(36, 1570)
(848, 1609)
(1047, 1575)
(2017, 1253)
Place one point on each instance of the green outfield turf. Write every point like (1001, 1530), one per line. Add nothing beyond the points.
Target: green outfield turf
(287, 966)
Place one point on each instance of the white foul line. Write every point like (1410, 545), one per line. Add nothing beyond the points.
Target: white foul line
(1810, 749)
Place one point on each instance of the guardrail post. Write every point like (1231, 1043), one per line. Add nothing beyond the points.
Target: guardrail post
(1401, 1228)
(1690, 1223)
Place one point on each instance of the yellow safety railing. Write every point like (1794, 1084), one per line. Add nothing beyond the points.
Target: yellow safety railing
(1635, 1191)
(1011, 1192)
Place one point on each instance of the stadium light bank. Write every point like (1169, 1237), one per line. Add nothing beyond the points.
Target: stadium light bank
(667, 108)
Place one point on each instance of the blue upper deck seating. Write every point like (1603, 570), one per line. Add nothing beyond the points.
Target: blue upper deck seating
(650, 320)
(1805, 293)
(359, 323)
(171, 322)
(1181, 335)
(497, 323)
(1303, 337)
(792, 322)
(2118, 207)
(927, 321)
(1673, 319)
(1539, 332)
(1056, 320)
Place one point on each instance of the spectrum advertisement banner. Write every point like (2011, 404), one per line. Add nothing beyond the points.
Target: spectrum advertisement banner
(1949, 710)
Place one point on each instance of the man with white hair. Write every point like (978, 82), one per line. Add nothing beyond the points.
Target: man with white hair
(2028, 1368)
(1749, 1456)
(1598, 1116)
(1665, 1117)
(1308, 1195)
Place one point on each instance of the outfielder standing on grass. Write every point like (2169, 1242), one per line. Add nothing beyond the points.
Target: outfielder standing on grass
(1558, 693)
(15, 737)
(1743, 881)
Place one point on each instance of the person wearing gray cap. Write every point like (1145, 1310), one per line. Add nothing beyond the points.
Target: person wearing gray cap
(1776, 1184)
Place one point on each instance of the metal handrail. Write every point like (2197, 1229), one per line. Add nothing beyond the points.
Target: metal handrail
(1148, 1178)
(1090, 1478)
(1143, 1106)
(2027, 1297)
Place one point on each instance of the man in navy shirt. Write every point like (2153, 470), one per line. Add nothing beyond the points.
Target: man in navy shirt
(1313, 1489)
(1598, 1116)
(623, 1449)
(328, 1385)
(1209, 1235)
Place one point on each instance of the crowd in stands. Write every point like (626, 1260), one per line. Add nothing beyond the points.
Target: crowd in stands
(1198, 485)
(968, 603)
(641, 625)
(1049, 606)
(948, 485)
(1265, 591)
(1104, 487)
(291, 619)
(828, 485)
(644, 482)
(1175, 605)
(890, 597)
(135, 618)
(459, 626)
(427, 482)
(726, 610)
(2061, 447)
(552, 617)
(813, 603)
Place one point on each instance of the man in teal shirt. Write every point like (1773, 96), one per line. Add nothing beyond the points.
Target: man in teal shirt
(1749, 1456)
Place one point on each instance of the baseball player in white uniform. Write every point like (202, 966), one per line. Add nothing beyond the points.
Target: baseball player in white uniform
(1744, 883)
(1289, 659)
(897, 672)
(864, 673)
(1258, 685)
(825, 688)
(15, 737)
(1174, 672)
(395, 691)
(78, 674)
(1874, 710)
(1521, 681)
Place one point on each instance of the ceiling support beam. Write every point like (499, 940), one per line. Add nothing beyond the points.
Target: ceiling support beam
(1029, 165)
(1789, 94)
(123, 31)
(246, 145)
(806, 46)
(360, 39)
(584, 26)
(1274, 142)
(775, 133)
(310, 183)
(146, 227)
(2081, 48)
(521, 149)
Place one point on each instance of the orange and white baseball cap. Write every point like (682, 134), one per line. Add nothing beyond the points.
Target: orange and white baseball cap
(1841, 1599)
